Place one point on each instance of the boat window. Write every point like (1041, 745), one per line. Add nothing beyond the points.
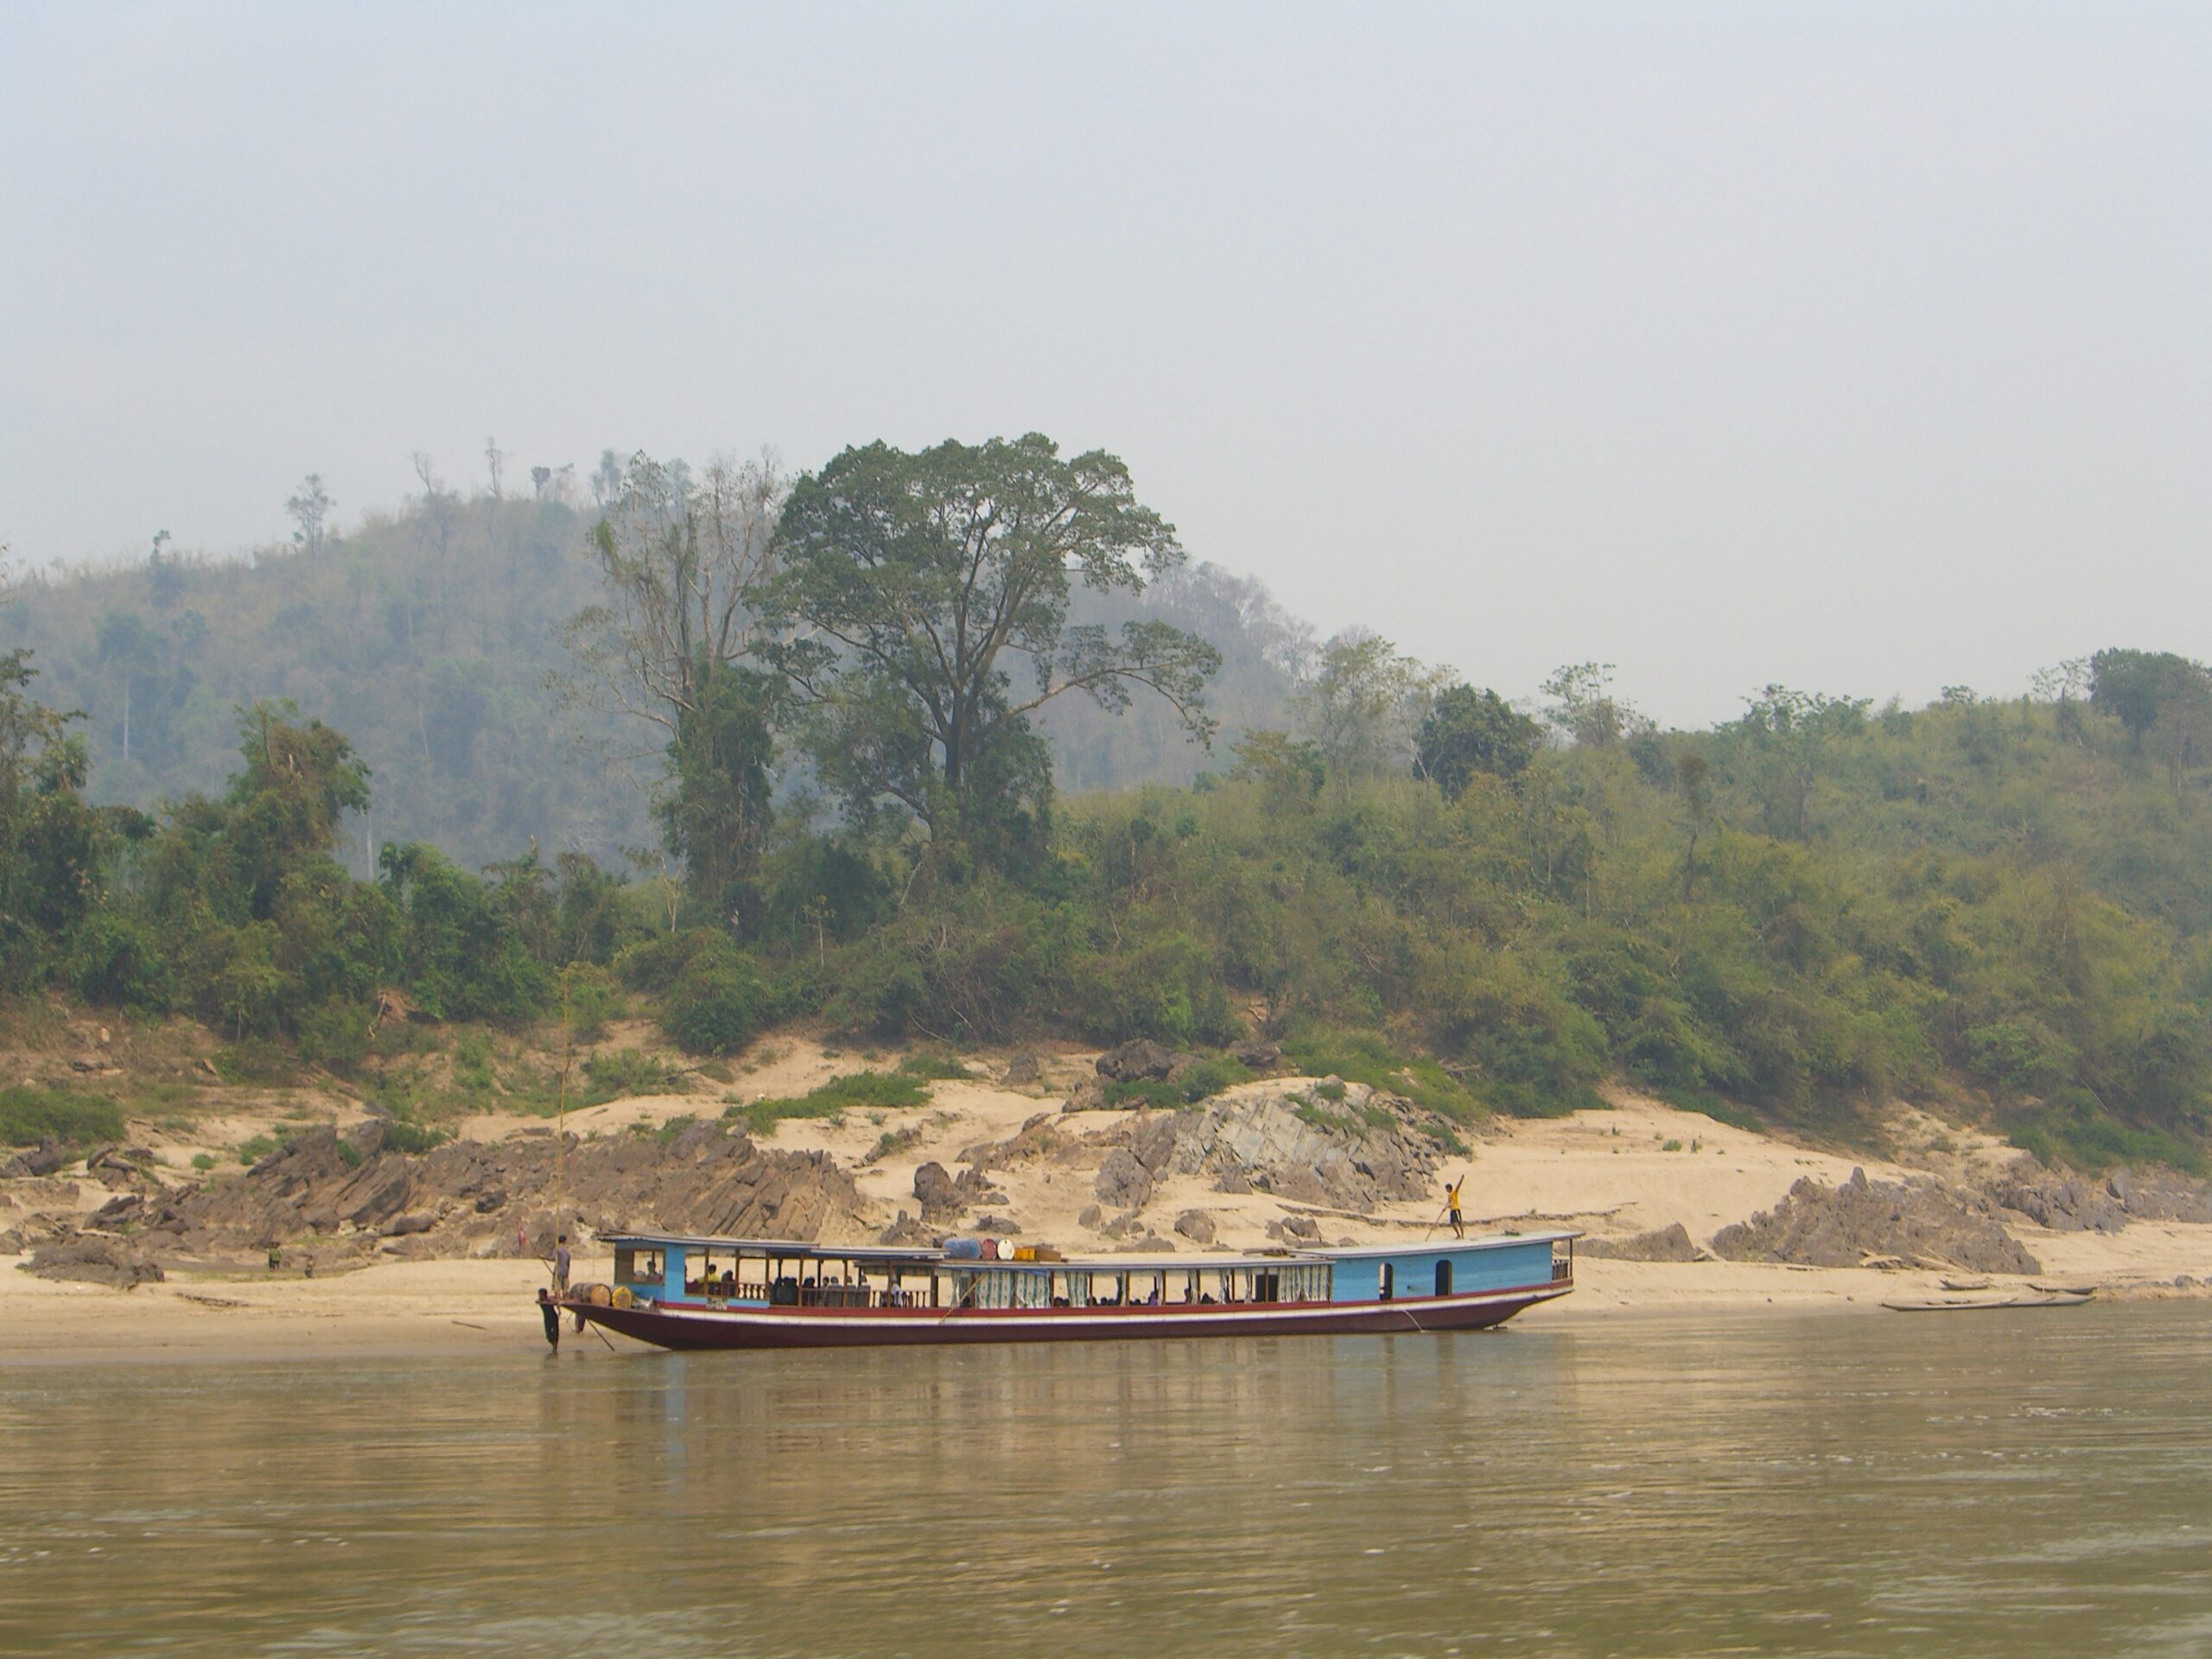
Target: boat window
(1444, 1278)
(1306, 1284)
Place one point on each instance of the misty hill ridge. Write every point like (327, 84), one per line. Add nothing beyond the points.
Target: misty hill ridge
(428, 639)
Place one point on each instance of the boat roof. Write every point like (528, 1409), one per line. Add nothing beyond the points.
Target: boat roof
(927, 1255)
(790, 1249)
(1444, 1246)
(1195, 1261)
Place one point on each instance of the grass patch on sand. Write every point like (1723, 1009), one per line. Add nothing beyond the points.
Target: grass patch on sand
(30, 1115)
(840, 1095)
(1201, 1080)
(1365, 1056)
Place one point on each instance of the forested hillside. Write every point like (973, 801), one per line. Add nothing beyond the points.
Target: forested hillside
(431, 638)
(2001, 909)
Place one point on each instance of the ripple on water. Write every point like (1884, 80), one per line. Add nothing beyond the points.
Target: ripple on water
(1824, 1485)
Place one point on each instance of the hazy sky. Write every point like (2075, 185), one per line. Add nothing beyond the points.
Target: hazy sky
(1864, 348)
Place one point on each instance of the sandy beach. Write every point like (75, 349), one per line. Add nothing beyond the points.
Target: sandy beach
(1612, 1174)
(463, 1307)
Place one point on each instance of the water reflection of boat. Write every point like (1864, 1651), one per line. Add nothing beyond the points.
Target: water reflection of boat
(680, 1291)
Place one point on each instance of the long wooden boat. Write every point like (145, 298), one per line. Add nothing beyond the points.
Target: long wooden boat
(681, 1291)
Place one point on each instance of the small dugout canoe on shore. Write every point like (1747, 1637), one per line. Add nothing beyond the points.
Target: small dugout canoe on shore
(1960, 1305)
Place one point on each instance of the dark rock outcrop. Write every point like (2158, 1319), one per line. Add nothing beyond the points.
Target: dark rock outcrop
(710, 1180)
(1123, 1181)
(1357, 1153)
(935, 1191)
(43, 1158)
(1087, 1096)
(119, 1262)
(1670, 1244)
(1256, 1054)
(1195, 1225)
(1138, 1059)
(1919, 1222)
(2069, 1203)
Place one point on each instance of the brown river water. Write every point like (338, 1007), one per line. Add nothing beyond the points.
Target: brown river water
(1995, 1484)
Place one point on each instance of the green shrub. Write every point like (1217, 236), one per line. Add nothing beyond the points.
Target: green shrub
(403, 1135)
(259, 1062)
(2071, 1128)
(839, 1094)
(116, 960)
(335, 1034)
(1366, 1057)
(594, 1000)
(2024, 1055)
(203, 1161)
(935, 1068)
(30, 1115)
(1201, 1080)
(622, 1072)
(712, 1000)
(1719, 1108)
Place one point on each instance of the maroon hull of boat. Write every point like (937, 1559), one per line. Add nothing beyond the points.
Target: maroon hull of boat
(756, 1327)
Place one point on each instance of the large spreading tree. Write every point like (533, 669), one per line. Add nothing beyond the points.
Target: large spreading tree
(922, 605)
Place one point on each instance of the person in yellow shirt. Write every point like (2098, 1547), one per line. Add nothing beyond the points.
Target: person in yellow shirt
(1452, 1203)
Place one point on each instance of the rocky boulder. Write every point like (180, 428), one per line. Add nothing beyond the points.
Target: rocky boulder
(117, 1262)
(1355, 1155)
(1919, 1221)
(1256, 1054)
(1123, 1181)
(1195, 1225)
(1141, 1058)
(2068, 1203)
(43, 1158)
(711, 1179)
(1087, 1096)
(935, 1191)
(1670, 1244)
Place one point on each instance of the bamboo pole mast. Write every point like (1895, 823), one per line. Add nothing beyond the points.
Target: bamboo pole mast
(561, 1125)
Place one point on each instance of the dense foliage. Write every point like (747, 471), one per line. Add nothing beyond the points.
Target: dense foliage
(2005, 906)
